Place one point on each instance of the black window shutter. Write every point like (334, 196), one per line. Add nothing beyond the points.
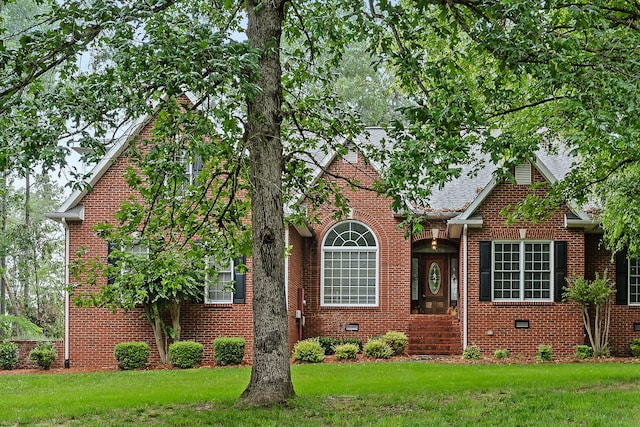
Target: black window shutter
(622, 283)
(560, 269)
(112, 260)
(485, 271)
(239, 296)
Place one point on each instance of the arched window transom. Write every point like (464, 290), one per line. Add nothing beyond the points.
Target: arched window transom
(349, 266)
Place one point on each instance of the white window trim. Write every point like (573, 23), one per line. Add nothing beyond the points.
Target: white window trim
(208, 300)
(635, 304)
(521, 244)
(348, 249)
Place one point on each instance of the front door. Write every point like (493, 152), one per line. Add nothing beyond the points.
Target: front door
(434, 283)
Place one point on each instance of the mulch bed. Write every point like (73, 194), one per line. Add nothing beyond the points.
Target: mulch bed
(512, 360)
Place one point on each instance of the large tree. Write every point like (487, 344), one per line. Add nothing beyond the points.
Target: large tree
(507, 76)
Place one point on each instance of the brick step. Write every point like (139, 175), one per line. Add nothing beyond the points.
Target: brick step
(434, 335)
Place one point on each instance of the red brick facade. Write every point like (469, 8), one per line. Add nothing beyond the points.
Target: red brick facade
(93, 333)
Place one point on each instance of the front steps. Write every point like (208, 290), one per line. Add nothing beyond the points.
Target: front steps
(437, 334)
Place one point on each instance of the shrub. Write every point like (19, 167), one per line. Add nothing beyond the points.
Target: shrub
(397, 341)
(346, 351)
(186, 354)
(501, 353)
(472, 352)
(8, 355)
(545, 353)
(328, 344)
(228, 351)
(378, 349)
(356, 341)
(308, 350)
(131, 355)
(43, 355)
(634, 345)
(583, 352)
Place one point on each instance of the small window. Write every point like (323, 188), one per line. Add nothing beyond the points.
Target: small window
(219, 287)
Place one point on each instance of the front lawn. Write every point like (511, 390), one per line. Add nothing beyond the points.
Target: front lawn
(362, 394)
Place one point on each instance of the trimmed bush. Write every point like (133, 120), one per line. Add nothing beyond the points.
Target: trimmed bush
(397, 341)
(634, 345)
(186, 354)
(308, 350)
(228, 351)
(131, 355)
(356, 341)
(8, 355)
(378, 349)
(346, 351)
(501, 353)
(545, 353)
(472, 352)
(43, 355)
(583, 352)
(328, 344)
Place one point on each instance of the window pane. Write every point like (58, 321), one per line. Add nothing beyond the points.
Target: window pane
(634, 281)
(350, 265)
(218, 287)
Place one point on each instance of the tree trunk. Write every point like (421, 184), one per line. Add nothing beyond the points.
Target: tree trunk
(174, 313)
(271, 374)
(157, 325)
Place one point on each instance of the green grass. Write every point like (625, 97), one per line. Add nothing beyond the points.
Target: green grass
(371, 394)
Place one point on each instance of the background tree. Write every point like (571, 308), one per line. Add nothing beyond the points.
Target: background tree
(33, 255)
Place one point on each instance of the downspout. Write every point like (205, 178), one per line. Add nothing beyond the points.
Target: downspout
(465, 256)
(66, 293)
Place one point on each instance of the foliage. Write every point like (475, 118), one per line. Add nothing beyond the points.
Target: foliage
(583, 352)
(346, 351)
(186, 354)
(545, 353)
(378, 349)
(472, 352)
(397, 341)
(501, 353)
(356, 341)
(31, 249)
(594, 298)
(228, 351)
(328, 344)
(43, 355)
(131, 355)
(9, 354)
(634, 346)
(18, 327)
(308, 350)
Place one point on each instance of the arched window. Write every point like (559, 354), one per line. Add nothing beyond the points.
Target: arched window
(349, 266)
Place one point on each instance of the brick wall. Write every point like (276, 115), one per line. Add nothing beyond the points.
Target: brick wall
(492, 324)
(394, 264)
(94, 332)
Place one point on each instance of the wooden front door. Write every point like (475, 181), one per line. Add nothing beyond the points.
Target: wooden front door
(434, 283)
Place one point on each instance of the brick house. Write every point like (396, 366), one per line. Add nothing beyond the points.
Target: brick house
(467, 279)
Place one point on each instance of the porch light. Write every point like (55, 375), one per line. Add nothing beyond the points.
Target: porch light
(434, 238)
